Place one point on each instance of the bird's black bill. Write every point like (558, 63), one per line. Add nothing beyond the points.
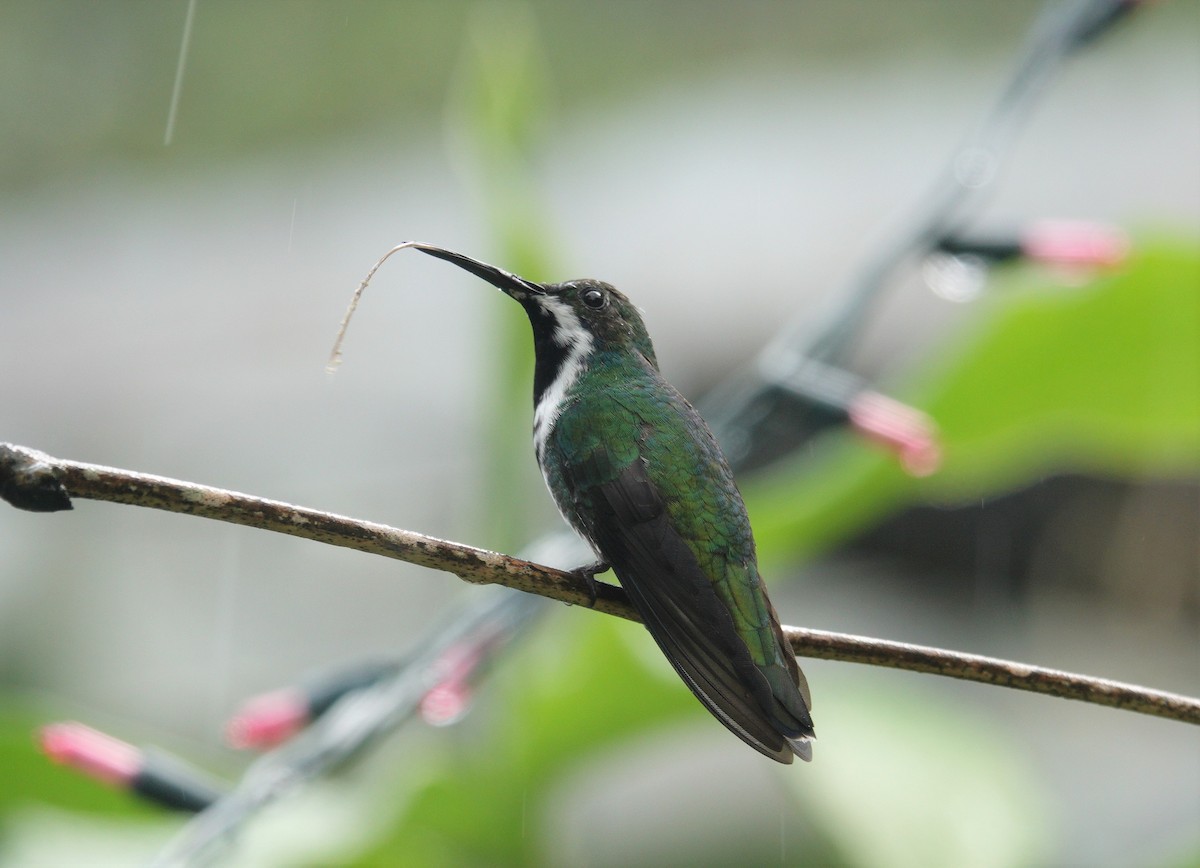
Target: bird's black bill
(503, 280)
(506, 282)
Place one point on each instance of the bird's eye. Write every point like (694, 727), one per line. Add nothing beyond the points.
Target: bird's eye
(595, 298)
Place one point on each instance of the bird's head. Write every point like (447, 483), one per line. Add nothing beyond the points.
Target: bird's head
(571, 320)
(581, 316)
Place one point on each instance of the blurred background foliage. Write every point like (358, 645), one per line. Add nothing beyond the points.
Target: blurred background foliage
(169, 308)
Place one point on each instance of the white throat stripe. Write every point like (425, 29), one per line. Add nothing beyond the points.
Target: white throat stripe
(570, 334)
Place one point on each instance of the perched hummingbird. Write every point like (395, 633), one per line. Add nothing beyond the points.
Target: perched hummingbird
(635, 470)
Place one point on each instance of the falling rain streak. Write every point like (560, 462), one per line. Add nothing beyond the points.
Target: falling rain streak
(179, 68)
(292, 228)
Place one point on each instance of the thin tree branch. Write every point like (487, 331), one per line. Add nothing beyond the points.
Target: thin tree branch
(32, 480)
(992, 670)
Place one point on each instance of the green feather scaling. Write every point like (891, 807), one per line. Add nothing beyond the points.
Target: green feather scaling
(620, 411)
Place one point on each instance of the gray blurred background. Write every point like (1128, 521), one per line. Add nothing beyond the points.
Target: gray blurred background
(169, 308)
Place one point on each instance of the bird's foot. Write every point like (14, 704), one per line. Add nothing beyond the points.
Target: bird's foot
(587, 574)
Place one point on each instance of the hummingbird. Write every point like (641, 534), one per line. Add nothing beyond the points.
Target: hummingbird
(635, 470)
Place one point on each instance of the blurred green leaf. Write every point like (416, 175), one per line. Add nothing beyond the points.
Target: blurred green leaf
(1189, 858)
(910, 781)
(1102, 378)
(575, 692)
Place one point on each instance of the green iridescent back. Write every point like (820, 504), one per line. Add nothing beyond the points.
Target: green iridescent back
(623, 410)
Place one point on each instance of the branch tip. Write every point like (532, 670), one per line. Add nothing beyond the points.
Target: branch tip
(29, 480)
